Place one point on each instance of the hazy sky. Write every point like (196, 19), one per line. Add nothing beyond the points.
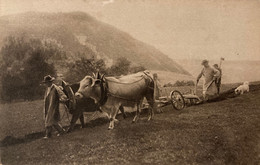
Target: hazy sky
(179, 28)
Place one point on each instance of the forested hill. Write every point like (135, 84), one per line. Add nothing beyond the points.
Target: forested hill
(80, 34)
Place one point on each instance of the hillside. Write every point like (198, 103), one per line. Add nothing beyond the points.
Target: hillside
(79, 33)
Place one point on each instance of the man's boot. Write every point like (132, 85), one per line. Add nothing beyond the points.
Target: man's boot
(47, 132)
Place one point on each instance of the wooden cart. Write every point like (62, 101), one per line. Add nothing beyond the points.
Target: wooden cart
(178, 100)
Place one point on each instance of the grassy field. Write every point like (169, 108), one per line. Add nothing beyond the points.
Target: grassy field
(226, 132)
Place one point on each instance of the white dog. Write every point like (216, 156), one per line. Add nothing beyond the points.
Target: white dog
(242, 88)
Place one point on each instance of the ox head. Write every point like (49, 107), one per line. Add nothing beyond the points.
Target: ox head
(90, 88)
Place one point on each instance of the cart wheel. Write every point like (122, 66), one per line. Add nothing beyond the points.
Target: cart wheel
(177, 100)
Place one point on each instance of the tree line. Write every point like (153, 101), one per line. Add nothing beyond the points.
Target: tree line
(24, 63)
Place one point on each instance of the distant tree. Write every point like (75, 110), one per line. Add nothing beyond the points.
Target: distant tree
(85, 66)
(168, 85)
(53, 50)
(184, 83)
(24, 64)
(35, 68)
(15, 49)
(120, 67)
(136, 69)
(180, 83)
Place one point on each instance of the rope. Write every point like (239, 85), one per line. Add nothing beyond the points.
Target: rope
(65, 112)
(93, 115)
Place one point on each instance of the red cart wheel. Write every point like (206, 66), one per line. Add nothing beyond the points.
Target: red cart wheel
(177, 100)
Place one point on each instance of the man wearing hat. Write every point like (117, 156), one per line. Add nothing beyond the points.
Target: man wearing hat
(210, 75)
(52, 97)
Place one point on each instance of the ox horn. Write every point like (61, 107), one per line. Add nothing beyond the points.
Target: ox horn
(102, 76)
(94, 75)
(92, 81)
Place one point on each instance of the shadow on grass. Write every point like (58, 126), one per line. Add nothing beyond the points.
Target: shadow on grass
(10, 140)
(231, 94)
(223, 96)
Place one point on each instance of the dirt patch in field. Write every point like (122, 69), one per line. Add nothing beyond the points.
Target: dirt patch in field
(231, 93)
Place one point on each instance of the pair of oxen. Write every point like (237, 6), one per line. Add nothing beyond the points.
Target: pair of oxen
(109, 94)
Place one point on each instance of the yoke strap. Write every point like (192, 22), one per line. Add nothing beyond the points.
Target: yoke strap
(104, 93)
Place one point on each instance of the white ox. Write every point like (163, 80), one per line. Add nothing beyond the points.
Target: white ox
(111, 93)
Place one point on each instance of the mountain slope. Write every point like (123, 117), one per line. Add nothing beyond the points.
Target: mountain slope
(78, 32)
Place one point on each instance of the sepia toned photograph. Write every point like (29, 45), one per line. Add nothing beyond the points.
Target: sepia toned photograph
(131, 82)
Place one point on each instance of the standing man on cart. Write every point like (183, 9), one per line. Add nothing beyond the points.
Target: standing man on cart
(210, 75)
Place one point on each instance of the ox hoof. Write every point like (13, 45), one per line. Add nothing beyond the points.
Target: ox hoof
(110, 128)
(159, 111)
(83, 126)
(135, 119)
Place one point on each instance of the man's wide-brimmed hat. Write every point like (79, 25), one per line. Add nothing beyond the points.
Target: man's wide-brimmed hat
(204, 62)
(48, 78)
